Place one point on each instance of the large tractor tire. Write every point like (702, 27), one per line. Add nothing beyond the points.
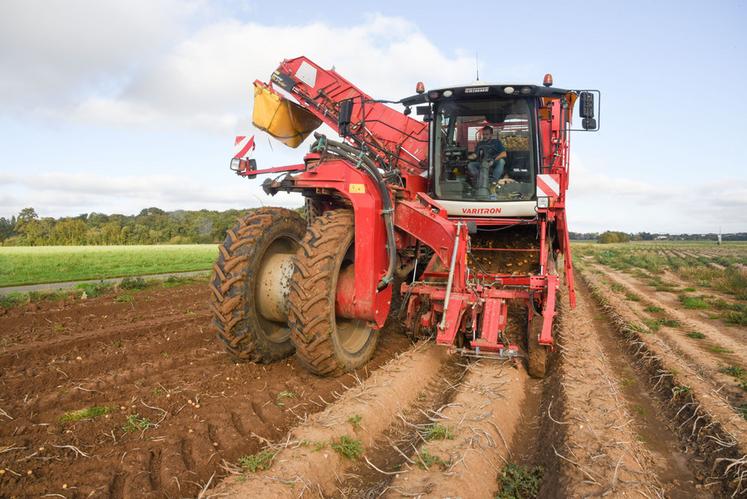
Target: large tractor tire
(249, 279)
(326, 344)
(538, 360)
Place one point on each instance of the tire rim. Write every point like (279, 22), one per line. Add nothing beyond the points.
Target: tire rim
(274, 331)
(352, 334)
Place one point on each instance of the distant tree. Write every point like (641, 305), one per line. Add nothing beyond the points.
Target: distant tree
(151, 211)
(150, 226)
(583, 236)
(155, 237)
(96, 219)
(27, 215)
(27, 226)
(69, 232)
(111, 233)
(137, 234)
(36, 232)
(7, 228)
(613, 237)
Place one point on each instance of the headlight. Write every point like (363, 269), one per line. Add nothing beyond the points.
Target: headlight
(236, 164)
(543, 202)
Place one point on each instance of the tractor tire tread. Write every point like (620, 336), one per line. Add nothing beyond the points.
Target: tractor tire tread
(236, 264)
(311, 304)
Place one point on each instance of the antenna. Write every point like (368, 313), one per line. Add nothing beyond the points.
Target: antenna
(477, 66)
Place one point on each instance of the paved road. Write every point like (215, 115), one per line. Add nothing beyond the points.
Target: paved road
(55, 286)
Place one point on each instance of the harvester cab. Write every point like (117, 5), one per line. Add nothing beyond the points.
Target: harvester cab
(461, 212)
(486, 145)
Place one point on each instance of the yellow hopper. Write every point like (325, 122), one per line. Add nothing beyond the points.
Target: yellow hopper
(285, 120)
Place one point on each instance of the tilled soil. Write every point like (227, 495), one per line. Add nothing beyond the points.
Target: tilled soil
(155, 362)
(621, 413)
(597, 426)
(721, 346)
(308, 462)
(699, 408)
(733, 338)
(601, 450)
(481, 419)
(614, 443)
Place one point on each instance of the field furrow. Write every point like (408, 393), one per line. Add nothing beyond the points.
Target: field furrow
(602, 453)
(141, 400)
(701, 416)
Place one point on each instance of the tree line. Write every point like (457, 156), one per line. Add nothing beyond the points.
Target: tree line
(150, 226)
(623, 237)
(156, 226)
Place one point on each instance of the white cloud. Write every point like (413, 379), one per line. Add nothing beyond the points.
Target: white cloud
(53, 52)
(206, 80)
(118, 64)
(599, 202)
(63, 194)
(590, 183)
(137, 64)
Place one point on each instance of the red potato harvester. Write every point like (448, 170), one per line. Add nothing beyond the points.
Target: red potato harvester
(462, 210)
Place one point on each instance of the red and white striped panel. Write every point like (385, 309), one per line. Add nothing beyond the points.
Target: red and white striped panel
(547, 185)
(242, 145)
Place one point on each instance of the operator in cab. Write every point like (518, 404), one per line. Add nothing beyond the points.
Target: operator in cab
(489, 156)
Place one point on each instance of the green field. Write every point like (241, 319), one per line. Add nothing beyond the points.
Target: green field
(44, 264)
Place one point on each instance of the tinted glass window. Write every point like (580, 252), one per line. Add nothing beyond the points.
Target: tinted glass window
(483, 150)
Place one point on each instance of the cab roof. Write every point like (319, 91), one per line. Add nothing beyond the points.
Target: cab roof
(482, 90)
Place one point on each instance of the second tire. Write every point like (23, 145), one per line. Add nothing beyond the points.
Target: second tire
(326, 344)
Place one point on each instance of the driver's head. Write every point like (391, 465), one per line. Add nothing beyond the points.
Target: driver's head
(487, 132)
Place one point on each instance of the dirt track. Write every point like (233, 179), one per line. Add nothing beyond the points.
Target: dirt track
(620, 413)
(155, 357)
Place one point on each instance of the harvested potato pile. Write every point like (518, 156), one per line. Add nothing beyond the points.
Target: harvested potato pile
(515, 142)
(505, 262)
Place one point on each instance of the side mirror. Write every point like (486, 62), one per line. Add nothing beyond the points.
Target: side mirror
(251, 167)
(586, 105)
(344, 116)
(586, 110)
(425, 112)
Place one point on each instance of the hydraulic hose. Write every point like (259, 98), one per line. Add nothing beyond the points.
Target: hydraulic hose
(361, 160)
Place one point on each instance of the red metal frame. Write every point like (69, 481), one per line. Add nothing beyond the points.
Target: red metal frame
(473, 307)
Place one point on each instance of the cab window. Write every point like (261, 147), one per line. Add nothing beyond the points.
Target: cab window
(483, 150)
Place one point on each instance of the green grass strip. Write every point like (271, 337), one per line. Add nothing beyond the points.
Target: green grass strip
(46, 264)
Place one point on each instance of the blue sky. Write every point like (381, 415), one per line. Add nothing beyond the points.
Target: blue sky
(113, 107)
